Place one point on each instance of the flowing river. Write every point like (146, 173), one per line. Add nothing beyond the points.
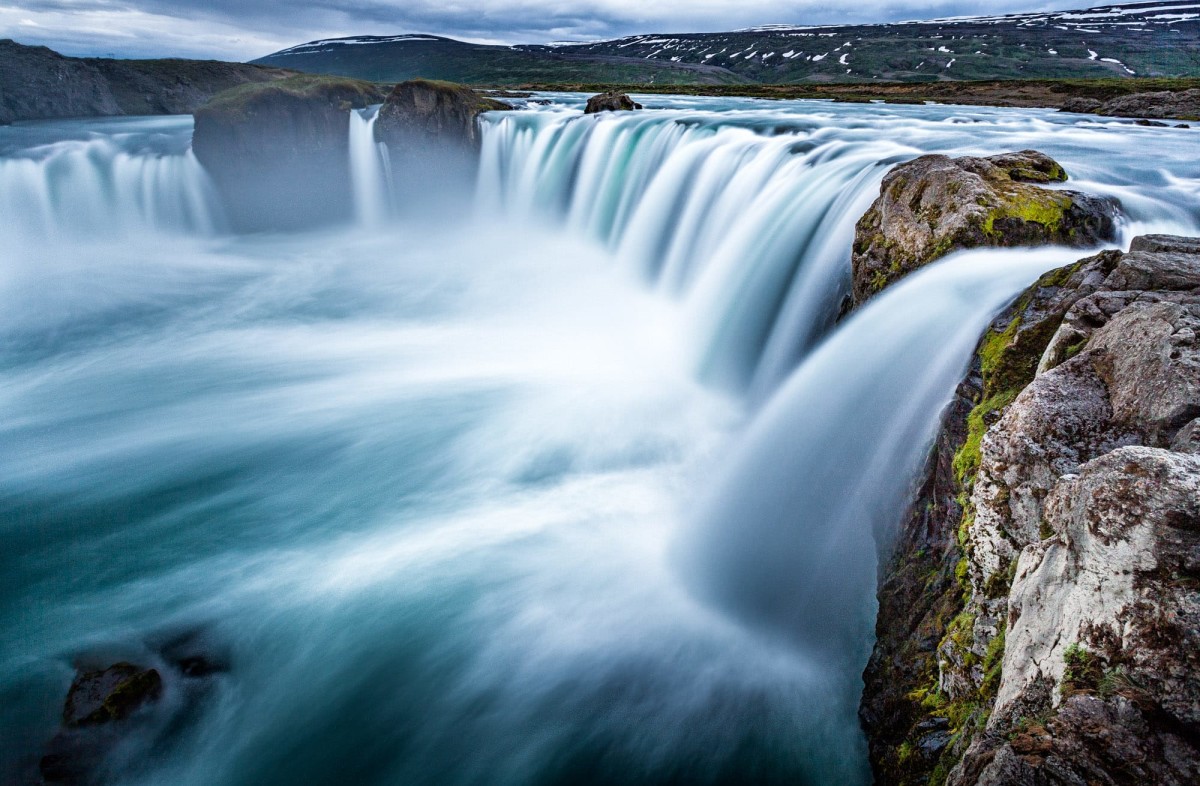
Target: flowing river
(576, 483)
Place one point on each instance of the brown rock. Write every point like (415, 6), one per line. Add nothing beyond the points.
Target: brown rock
(936, 205)
(611, 101)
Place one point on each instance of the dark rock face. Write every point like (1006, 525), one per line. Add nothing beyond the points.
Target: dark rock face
(1166, 105)
(612, 101)
(936, 205)
(38, 83)
(110, 695)
(279, 152)
(431, 130)
(1060, 648)
(98, 707)
(421, 113)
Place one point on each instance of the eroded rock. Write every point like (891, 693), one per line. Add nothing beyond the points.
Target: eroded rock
(279, 152)
(1077, 472)
(936, 205)
(610, 101)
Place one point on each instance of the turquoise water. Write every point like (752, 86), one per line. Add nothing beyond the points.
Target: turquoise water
(524, 495)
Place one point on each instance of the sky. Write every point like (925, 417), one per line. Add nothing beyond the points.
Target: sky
(246, 29)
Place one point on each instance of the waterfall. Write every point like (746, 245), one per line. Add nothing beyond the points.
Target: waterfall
(751, 230)
(368, 169)
(790, 535)
(104, 187)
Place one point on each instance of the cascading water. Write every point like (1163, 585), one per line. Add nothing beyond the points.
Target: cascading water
(427, 494)
(368, 167)
(107, 186)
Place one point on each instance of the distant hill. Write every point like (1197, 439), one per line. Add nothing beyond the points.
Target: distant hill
(38, 83)
(1132, 40)
(401, 57)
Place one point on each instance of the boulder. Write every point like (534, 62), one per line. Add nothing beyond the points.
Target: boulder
(1081, 105)
(431, 130)
(279, 152)
(421, 114)
(936, 205)
(112, 694)
(1164, 105)
(610, 101)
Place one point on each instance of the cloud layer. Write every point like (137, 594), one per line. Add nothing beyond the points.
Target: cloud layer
(245, 29)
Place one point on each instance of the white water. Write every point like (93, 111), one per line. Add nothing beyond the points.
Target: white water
(559, 492)
(368, 167)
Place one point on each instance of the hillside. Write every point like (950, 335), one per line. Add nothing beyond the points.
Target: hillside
(397, 58)
(1136, 40)
(38, 83)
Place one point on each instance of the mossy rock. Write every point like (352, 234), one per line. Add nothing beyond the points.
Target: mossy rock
(935, 205)
(111, 694)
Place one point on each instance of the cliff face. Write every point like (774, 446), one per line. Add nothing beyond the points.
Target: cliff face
(431, 130)
(1039, 619)
(279, 152)
(38, 83)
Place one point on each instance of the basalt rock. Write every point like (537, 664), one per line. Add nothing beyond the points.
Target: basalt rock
(431, 130)
(1078, 452)
(279, 152)
(610, 101)
(935, 205)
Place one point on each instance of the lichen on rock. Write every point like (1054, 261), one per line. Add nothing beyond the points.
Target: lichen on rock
(1085, 389)
(935, 205)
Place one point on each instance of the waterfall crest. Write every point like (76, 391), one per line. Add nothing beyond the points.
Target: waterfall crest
(368, 169)
(751, 230)
(105, 188)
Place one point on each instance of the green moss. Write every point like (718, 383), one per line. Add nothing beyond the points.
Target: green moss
(241, 101)
(1083, 673)
(1033, 206)
(966, 460)
(993, 661)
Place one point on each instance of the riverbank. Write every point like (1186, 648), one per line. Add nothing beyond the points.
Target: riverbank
(1066, 94)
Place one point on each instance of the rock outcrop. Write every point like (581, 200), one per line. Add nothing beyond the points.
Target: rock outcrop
(1160, 105)
(422, 114)
(431, 130)
(935, 205)
(38, 83)
(1060, 646)
(279, 151)
(610, 101)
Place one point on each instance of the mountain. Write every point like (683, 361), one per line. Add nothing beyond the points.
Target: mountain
(401, 57)
(38, 83)
(1138, 39)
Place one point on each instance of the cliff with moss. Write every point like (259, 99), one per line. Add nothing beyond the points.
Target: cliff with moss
(1041, 602)
(279, 151)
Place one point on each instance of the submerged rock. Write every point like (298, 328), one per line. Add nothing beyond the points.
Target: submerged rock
(279, 152)
(610, 101)
(936, 205)
(112, 694)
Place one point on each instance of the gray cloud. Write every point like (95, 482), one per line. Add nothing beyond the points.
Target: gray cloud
(244, 29)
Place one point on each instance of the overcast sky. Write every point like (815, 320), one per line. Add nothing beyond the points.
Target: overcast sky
(245, 29)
